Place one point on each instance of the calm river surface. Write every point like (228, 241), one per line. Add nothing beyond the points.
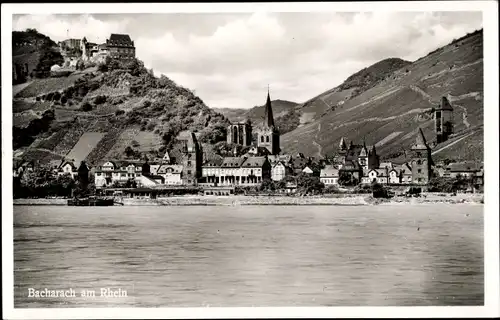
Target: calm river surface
(251, 256)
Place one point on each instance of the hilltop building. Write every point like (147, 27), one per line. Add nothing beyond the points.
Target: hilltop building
(443, 120)
(120, 46)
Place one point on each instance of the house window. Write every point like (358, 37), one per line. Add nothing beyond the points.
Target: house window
(267, 138)
(189, 163)
(419, 154)
(419, 162)
(98, 174)
(419, 170)
(123, 175)
(261, 138)
(189, 171)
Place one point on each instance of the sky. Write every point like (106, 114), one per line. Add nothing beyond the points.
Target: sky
(230, 59)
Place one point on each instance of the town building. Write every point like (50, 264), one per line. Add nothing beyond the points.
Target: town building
(443, 120)
(329, 175)
(120, 46)
(280, 170)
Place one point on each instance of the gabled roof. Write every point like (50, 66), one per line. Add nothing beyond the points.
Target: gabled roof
(388, 165)
(329, 171)
(350, 165)
(232, 162)
(406, 169)
(73, 167)
(254, 162)
(380, 172)
(175, 168)
(215, 161)
(463, 167)
(120, 40)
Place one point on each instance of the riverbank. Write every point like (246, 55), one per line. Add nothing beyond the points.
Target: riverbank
(339, 200)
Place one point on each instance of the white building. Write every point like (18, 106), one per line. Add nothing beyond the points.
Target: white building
(378, 175)
(329, 175)
(279, 171)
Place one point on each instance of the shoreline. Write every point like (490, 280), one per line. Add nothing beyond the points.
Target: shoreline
(328, 200)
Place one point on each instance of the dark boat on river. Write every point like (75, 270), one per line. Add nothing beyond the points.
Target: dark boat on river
(91, 201)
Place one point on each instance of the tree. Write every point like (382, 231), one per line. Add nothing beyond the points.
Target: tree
(309, 183)
(345, 178)
(267, 185)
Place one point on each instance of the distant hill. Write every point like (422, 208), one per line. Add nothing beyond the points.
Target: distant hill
(387, 102)
(281, 111)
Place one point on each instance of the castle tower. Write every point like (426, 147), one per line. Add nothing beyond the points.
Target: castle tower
(373, 159)
(443, 120)
(192, 158)
(421, 160)
(268, 136)
(240, 133)
(83, 48)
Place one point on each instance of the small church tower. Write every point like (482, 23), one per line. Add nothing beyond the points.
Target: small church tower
(363, 157)
(191, 160)
(443, 120)
(421, 160)
(268, 135)
(373, 159)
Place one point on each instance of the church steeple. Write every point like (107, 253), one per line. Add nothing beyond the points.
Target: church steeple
(268, 135)
(268, 115)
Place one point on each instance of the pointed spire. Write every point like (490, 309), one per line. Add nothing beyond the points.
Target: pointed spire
(342, 144)
(420, 142)
(445, 104)
(268, 115)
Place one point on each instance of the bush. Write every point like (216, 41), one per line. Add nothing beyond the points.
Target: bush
(99, 99)
(64, 99)
(86, 107)
(119, 112)
(102, 67)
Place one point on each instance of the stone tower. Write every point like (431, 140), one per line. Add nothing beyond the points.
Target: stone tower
(83, 48)
(268, 135)
(421, 160)
(373, 159)
(240, 133)
(443, 120)
(191, 160)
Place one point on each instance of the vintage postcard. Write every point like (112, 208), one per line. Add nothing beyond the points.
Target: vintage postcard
(250, 160)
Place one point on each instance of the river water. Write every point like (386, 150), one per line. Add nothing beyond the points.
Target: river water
(394, 255)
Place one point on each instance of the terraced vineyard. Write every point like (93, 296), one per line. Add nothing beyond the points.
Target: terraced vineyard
(85, 145)
(103, 147)
(71, 137)
(44, 86)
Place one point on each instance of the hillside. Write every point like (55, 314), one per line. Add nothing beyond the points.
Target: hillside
(387, 110)
(115, 111)
(282, 110)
